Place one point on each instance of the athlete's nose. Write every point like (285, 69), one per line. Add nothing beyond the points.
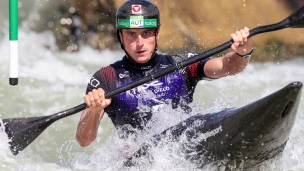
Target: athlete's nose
(139, 41)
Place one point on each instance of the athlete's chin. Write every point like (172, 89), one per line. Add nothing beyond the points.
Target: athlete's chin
(142, 59)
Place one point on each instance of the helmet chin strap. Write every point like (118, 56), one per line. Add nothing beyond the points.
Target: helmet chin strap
(156, 45)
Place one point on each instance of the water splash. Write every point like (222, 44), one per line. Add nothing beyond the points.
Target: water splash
(44, 90)
(4, 144)
(112, 155)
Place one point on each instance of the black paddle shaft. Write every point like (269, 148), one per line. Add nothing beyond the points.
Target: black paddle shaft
(22, 131)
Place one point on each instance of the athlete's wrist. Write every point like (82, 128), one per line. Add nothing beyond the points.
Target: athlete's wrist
(95, 110)
(246, 55)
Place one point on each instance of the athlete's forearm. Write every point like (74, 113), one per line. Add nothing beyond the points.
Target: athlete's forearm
(88, 126)
(234, 64)
(229, 64)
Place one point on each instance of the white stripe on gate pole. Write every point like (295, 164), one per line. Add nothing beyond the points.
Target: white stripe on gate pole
(13, 36)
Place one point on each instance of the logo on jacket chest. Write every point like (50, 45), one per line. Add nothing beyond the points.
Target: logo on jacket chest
(162, 89)
(153, 93)
(167, 87)
(126, 74)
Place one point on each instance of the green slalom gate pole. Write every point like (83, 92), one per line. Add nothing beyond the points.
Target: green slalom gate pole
(13, 37)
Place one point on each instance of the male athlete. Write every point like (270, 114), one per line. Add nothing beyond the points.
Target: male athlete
(138, 30)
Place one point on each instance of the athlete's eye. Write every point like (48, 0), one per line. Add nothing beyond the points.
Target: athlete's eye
(131, 34)
(147, 33)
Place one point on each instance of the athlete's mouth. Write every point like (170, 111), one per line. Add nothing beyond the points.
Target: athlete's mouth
(140, 52)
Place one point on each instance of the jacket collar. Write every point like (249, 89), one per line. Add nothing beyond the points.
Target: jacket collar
(130, 63)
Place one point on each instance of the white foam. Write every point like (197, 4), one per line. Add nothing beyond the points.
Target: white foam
(53, 81)
(4, 143)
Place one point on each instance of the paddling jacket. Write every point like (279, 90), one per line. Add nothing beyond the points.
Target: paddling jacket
(135, 106)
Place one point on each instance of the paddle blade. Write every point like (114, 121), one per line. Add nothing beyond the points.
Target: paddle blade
(296, 20)
(23, 131)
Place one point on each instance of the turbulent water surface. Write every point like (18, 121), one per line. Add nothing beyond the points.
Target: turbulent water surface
(51, 81)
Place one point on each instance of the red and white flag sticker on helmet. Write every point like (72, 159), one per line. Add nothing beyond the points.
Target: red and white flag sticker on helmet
(136, 9)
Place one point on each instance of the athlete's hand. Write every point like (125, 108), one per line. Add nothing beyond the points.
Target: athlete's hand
(96, 100)
(242, 44)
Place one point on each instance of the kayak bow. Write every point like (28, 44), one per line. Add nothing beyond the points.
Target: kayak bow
(244, 136)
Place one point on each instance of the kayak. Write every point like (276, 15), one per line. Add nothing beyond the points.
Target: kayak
(241, 137)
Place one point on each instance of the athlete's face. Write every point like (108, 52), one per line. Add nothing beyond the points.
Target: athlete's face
(139, 43)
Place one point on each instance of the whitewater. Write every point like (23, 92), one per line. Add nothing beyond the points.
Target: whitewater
(51, 81)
